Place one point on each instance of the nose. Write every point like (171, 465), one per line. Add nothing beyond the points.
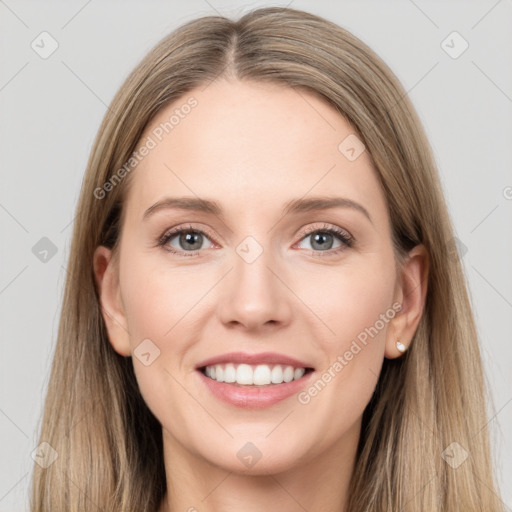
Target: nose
(255, 297)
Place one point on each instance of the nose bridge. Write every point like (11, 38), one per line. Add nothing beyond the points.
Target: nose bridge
(255, 296)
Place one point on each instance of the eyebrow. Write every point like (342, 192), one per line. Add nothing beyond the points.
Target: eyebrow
(294, 206)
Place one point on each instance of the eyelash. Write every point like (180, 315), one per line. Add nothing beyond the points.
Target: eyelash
(343, 236)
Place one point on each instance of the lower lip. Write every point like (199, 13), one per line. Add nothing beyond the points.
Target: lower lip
(254, 397)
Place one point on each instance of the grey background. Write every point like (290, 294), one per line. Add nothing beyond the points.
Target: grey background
(51, 109)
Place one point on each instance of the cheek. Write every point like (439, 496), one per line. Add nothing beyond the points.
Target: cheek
(350, 299)
(357, 306)
(153, 304)
(152, 299)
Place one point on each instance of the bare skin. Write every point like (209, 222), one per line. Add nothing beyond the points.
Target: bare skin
(252, 147)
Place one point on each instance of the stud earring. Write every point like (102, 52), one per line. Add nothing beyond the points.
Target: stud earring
(400, 346)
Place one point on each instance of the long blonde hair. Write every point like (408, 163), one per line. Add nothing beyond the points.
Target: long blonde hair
(109, 444)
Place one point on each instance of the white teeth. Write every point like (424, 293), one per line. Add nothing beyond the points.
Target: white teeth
(298, 373)
(287, 374)
(261, 375)
(244, 374)
(229, 373)
(277, 374)
(257, 375)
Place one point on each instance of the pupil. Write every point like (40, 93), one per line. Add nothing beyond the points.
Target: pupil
(318, 239)
(189, 238)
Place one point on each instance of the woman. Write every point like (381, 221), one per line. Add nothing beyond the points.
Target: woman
(247, 371)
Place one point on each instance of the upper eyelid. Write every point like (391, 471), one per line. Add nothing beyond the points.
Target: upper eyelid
(326, 227)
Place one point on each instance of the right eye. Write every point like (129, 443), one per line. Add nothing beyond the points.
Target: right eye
(184, 240)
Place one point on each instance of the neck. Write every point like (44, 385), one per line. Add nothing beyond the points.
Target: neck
(319, 484)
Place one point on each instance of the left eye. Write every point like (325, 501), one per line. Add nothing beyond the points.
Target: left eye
(323, 240)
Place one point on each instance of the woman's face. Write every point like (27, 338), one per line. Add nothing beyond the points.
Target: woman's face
(268, 269)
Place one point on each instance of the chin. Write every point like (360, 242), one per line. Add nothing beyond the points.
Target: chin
(254, 458)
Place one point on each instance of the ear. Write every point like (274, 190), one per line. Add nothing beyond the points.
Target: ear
(112, 309)
(411, 291)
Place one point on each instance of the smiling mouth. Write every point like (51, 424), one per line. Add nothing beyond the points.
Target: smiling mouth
(261, 375)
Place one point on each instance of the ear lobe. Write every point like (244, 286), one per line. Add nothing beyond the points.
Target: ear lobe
(112, 310)
(411, 294)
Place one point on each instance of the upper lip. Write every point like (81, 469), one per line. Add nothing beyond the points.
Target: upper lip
(261, 358)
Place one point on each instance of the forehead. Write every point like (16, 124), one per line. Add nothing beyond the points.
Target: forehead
(252, 144)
